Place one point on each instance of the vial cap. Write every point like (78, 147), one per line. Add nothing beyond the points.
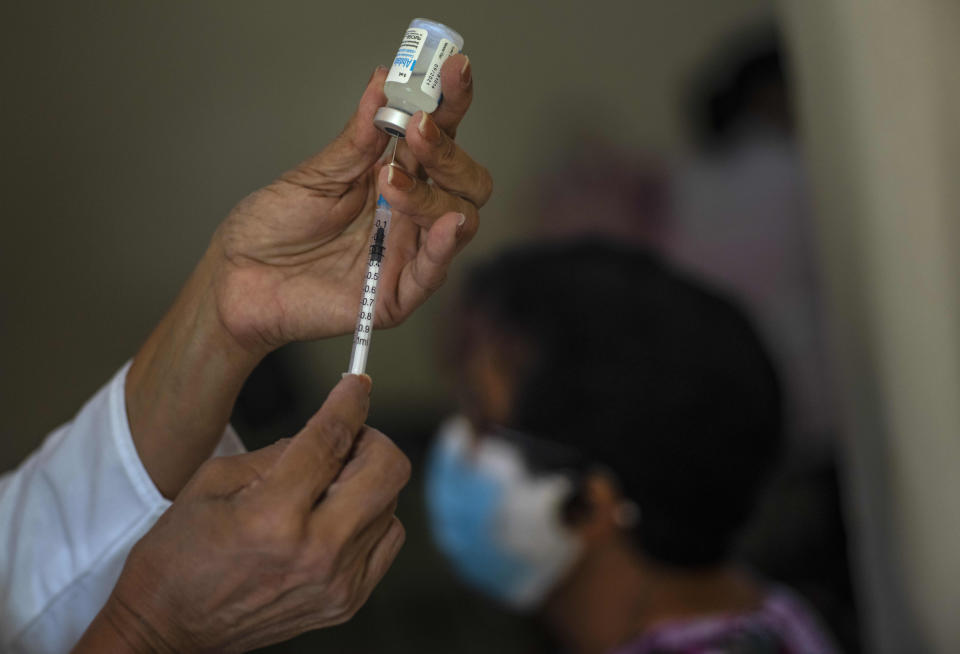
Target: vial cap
(392, 121)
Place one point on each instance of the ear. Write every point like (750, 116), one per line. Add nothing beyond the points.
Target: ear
(597, 522)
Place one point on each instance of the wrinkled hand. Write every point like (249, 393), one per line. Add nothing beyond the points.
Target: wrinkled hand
(293, 254)
(263, 546)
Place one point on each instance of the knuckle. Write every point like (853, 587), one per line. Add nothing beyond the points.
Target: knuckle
(327, 552)
(447, 155)
(358, 603)
(394, 316)
(485, 183)
(396, 464)
(403, 468)
(431, 283)
(344, 614)
(378, 439)
(436, 199)
(342, 597)
(346, 598)
(401, 532)
(336, 438)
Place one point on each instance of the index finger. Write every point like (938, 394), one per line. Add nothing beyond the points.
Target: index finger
(456, 83)
(369, 483)
(446, 163)
(316, 455)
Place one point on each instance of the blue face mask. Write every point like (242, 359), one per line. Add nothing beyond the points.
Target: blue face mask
(498, 524)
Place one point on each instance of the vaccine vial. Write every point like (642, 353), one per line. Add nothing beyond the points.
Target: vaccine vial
(413, 83)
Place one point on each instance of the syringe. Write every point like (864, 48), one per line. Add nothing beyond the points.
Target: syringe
(368, 303)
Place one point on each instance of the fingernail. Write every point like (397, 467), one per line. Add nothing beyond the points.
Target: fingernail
(368, 381)
(377, 70)
(429, 130)
(460, 224)
(466, 74)
(398, 179)
(365, 379)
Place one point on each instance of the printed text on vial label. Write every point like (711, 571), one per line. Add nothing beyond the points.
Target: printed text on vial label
(407, 55)
(431, 81)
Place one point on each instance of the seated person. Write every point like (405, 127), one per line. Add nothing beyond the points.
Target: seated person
(618, 422)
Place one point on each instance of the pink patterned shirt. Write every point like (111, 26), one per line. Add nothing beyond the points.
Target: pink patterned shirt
(782, 625)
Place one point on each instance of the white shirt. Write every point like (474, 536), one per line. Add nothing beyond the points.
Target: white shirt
(68, 518)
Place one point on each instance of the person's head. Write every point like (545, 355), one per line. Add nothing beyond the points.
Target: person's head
(606, 398)
(742, 87)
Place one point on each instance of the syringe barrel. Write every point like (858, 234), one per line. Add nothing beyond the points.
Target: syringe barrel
(371, 282)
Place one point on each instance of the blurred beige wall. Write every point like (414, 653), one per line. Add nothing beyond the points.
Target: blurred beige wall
(880, 97)
(129, 129)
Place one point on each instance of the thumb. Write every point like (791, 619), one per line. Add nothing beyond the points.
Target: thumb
(354, 151)
(228, 474)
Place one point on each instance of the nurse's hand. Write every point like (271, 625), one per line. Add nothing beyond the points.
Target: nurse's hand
(288, 264)
(291, 257)
(263, 546)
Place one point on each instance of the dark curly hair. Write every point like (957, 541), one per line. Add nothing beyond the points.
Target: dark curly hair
(655, 376)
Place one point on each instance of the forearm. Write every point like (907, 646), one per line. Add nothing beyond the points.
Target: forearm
(103, 636)
(118, 630)
(183, 383)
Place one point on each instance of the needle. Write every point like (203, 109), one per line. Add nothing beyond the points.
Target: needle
(396, 141)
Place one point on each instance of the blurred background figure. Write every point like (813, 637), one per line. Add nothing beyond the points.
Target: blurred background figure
(741, 218)
(617, 423)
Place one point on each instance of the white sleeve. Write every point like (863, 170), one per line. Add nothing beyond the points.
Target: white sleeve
(68, 518)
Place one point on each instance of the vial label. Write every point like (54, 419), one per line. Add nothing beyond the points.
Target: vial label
(431, 80)
(407, 55)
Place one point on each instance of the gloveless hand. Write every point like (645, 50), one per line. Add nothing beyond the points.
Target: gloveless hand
(260, 547)
(288, 264)
(290, 258)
